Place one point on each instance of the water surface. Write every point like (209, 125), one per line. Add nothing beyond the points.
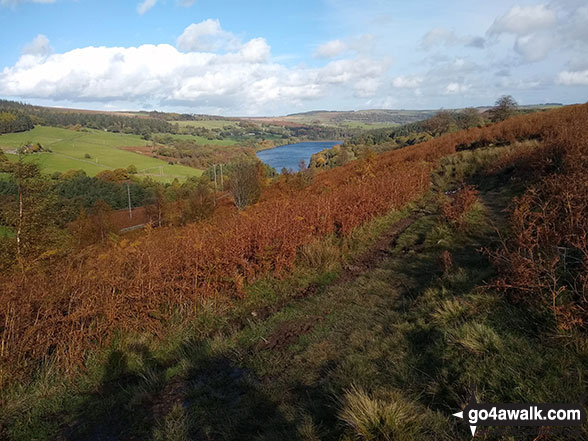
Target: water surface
(289, 156)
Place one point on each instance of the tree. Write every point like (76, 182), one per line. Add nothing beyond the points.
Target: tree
(344, 157)
(132, 169)
(199, 204)
(33, 210)
(441, 123)
(469, 118)
(246, 183)
(504, 108)
(102, 220)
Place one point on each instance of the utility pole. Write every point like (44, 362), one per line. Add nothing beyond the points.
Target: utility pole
(222, 181)
(214, 170)
(129, 198)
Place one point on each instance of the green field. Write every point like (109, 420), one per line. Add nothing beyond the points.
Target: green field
(68, 150)
(365, 126)
(203, 140)
(207, 124)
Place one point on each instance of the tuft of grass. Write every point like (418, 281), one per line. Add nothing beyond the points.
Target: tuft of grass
(450, 312)
(308, 430)
(174, 426)
(457, 280)
(479, 338)
(377, 419)
(440, 236)
(321, 255)
(475, 220)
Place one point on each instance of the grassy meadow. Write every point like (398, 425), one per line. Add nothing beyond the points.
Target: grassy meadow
(366, 126)
(205, 141)
(69, 149)
(208, 124)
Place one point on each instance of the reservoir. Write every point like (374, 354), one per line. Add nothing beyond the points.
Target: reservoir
(289, 156)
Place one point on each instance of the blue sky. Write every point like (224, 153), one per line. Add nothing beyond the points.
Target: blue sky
(270, 58)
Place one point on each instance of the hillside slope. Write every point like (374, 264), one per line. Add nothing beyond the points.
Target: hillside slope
(324, 332)
(92, 151)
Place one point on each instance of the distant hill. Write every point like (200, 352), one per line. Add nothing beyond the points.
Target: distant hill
(362, 117)
(373, 118)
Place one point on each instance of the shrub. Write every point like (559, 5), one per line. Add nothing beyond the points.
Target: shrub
(545, 259)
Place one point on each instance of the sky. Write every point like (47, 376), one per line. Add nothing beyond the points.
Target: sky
(274, 58)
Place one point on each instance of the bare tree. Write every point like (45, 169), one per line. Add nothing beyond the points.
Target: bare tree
(246, 180)
(504, 108)
(469, 117)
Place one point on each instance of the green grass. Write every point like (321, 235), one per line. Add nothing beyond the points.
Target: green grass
(203, 140)
(69, 148)
(363, 126)
(207, 124)
(6, 231)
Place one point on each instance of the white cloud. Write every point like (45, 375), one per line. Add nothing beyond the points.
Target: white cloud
(350, 70)
(145, 6)
(445, 37)
(207, 35)
(540, 29)
(363, 44)
(244, 80)
(438, 36)
(456, 88)
(454, 68)
(330, 49)
(39, 46)
(573, 78)
(367, 87)
(523, 20)
(186, 3)
(255, 51)
(534, 47)
(407, 82)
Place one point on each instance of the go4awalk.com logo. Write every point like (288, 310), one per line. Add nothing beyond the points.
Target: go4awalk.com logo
(545, 414)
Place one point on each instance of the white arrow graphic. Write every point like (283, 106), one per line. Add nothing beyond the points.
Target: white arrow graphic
(472, 428)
